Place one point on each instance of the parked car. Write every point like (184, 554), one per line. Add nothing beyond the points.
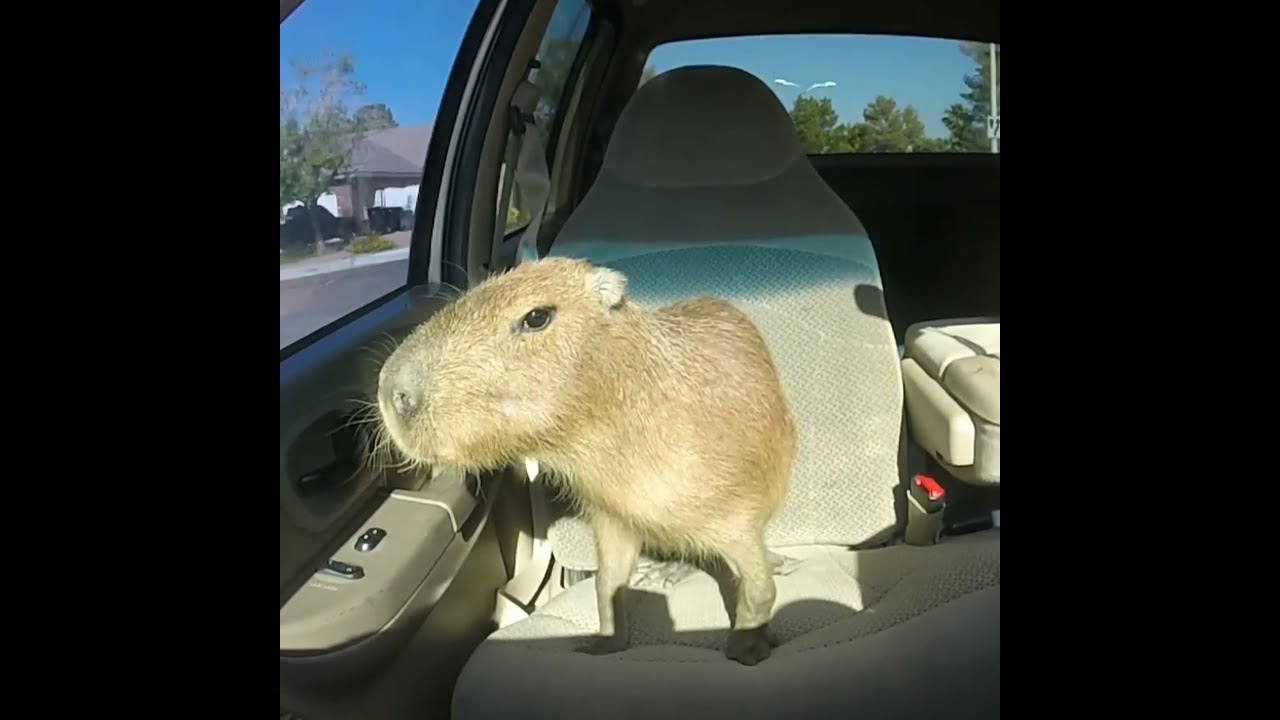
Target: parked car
(297, 228)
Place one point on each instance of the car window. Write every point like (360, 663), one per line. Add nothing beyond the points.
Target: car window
(360, 84)
(867, 93)
(556, 55)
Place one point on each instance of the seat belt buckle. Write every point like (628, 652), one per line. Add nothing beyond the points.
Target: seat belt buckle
(926, 501)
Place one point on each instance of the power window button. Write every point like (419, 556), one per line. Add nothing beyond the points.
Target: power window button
(370, 539)
(343, 570)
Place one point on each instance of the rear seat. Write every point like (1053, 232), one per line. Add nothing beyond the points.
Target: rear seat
(951, 377)
(705, 188)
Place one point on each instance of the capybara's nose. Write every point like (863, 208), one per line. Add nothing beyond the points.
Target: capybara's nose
(405, 402)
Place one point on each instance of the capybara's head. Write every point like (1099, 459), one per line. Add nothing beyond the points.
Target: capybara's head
(503, 368)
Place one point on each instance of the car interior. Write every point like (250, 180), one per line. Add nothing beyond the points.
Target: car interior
(874, 278)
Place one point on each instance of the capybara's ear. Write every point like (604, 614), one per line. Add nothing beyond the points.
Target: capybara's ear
(610, 285)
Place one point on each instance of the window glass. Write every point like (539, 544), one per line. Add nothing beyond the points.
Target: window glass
(556, 56)
(360, 84)
(867, 93)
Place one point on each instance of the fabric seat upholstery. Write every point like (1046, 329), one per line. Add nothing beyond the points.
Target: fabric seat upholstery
(705, 189)
(858, 630)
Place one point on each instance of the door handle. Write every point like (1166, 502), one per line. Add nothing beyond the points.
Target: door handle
(328, 478)
(349, 441)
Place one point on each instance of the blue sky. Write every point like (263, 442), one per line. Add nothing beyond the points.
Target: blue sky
(924, 72)
(404, 50)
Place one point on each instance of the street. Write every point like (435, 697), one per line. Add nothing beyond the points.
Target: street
(309, 303)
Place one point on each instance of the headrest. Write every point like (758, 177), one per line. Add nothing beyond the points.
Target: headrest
(703, 125)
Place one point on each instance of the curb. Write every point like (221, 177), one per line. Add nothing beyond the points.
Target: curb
(340, 264)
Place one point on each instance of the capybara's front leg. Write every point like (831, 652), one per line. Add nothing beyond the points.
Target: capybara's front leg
(617, 550)
(751, 640)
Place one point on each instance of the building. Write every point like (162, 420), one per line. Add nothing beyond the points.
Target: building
(389, 159)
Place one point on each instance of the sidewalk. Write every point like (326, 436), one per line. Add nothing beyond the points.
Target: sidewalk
(310, 268)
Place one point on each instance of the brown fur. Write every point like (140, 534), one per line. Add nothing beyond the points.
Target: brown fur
(668, 427)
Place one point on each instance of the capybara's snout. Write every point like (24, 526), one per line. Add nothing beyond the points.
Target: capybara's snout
(400, 388)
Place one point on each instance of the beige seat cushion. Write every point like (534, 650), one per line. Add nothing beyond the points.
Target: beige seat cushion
(856, 630)
(705, 188)
(951, 381)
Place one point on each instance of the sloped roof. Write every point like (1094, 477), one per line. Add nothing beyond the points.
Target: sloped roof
(397, 152)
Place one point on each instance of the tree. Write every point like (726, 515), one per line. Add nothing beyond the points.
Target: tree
(890, 129)
(317, 131)
(887, 128)
(963, 133)
(375, 117)
(818, 126)
(884, 128)
(967, 122)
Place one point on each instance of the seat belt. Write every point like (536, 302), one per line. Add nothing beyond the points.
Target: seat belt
(528, 174)
(524, 592)
(532, 175)
(532, 180)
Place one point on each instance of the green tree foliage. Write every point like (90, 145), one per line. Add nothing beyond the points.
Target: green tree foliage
(319, 131)
(891, 129)
(966, 121)
(375, 117)
(887, 128)
(818, 126)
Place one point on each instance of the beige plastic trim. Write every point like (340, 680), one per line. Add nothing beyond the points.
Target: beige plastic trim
(937, 421)
(975, 383)
(330, 612)
(985, 469)
(935, 344)
(487, 220)
(335, 631)
(468, 96)
(445, 490)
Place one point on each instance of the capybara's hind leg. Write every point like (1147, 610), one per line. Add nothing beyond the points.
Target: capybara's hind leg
(751, 640)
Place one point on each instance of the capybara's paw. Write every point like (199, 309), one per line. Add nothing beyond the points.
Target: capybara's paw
(605, 645)
(750, 646)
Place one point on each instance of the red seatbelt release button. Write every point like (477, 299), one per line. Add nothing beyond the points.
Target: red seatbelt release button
(928, 493)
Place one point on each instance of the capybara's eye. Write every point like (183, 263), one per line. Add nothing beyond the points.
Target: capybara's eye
(537, 319)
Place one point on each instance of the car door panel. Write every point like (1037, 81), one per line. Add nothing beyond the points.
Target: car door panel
(326, 475)
(351, 616)
(344, 625)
